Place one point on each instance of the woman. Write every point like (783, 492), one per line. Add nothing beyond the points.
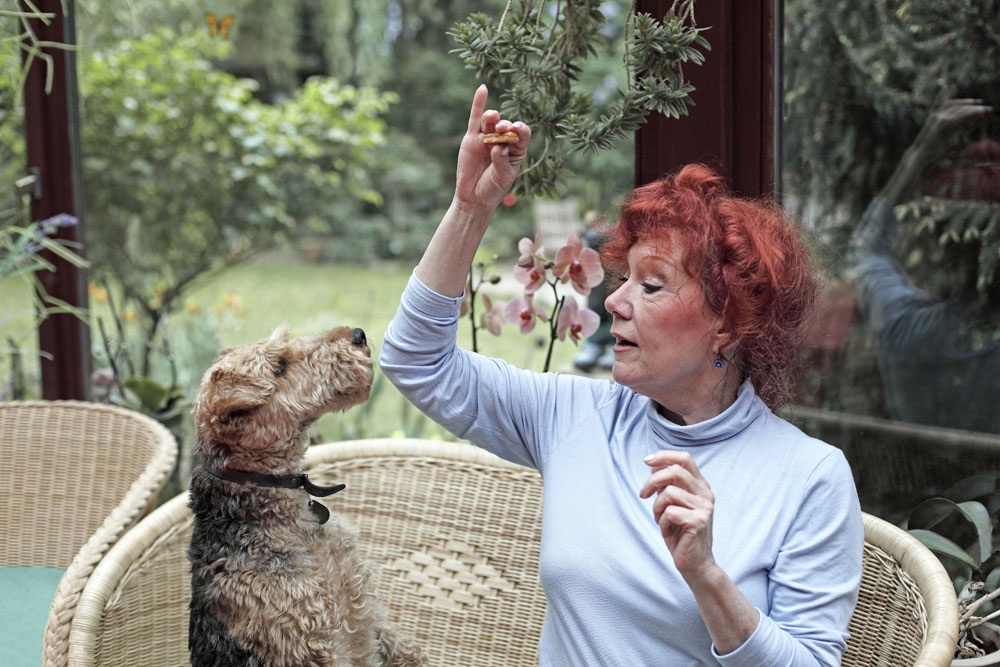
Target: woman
(683, 523)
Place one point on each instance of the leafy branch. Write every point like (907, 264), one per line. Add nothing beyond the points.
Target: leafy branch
(27, 40)
(537, 50)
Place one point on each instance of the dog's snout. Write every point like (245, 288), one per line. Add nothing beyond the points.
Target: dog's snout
(358, 337)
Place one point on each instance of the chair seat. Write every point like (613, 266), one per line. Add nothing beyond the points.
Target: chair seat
(24, 606)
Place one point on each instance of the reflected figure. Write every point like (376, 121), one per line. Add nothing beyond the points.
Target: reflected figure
(939, 347)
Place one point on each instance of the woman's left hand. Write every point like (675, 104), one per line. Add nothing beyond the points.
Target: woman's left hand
(683, 509)
(486, 172)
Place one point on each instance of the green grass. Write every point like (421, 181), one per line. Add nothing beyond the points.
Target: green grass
(311, 298)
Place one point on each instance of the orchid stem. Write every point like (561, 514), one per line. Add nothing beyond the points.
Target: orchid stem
(472, 309)
(553, 324)
(980, 602)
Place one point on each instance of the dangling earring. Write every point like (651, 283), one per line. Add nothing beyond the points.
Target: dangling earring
(719, 363)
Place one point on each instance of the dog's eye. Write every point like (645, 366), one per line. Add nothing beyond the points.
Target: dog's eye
(280, 370)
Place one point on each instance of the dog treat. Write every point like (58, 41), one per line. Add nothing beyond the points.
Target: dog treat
(509, 137)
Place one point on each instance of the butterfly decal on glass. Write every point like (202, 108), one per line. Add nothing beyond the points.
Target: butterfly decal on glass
(217, 25)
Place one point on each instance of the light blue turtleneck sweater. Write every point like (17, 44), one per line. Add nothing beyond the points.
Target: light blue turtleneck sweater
(787, 526)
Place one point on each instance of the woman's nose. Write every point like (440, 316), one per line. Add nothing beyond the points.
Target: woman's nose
(615, 302)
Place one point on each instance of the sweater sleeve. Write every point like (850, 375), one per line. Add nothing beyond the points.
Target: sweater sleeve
(508, 411)
(883, 293)
(814, 581)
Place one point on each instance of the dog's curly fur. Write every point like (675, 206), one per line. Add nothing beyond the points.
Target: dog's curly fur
(270, 585)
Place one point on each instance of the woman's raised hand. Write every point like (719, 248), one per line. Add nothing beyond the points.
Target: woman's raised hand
(486, 172)
(683, 509)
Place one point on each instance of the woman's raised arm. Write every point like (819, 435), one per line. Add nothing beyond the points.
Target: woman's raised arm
(485, 174)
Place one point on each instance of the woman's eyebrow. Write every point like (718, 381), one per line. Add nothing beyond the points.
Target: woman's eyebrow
(655, 266)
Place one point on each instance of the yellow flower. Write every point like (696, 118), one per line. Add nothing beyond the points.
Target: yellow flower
(129, 314)
(217, 310)
(192, 306)
(100, 295)
(234, 301)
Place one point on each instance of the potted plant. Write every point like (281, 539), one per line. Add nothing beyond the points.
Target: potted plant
(960, 527)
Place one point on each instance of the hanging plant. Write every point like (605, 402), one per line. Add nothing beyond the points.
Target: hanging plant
(536, 50)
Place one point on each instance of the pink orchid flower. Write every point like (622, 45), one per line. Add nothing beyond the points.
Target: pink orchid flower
(575, 321)
(530, 269)
(523, 314)
(494, 317)
(530, 250)
(531, 276)
(580, 265)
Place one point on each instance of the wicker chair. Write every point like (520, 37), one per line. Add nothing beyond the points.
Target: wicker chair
(455, 534)
(907, 612)
(76, 475)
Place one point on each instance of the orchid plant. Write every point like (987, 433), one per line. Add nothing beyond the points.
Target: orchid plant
(573, 265)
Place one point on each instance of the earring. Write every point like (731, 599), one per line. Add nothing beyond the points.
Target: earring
(719, 363)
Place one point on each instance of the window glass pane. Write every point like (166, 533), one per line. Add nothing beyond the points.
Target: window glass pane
(900, 190)
(252, 162)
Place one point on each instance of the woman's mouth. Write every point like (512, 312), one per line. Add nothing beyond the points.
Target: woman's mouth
(624, 343)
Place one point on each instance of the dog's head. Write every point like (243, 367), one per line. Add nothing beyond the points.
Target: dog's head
(256, 401)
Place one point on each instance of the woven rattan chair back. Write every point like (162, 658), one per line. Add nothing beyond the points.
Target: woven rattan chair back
(454, 534)
(907, 612)
(76, 475)
(452, 531)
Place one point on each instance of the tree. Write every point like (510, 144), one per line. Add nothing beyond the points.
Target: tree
(185, 171)
(537, 51)
(860, 81)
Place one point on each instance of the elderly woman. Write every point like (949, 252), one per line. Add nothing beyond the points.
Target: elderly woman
(683, 522)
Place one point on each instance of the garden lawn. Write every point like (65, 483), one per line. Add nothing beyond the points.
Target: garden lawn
(313, 297)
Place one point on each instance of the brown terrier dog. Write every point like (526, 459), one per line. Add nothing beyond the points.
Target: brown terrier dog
(275, 579)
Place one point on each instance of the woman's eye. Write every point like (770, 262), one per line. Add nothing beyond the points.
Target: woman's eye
(650, 288)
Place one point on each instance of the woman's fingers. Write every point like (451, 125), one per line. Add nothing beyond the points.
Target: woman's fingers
(670, 467)
(478, 107)
(671, 494)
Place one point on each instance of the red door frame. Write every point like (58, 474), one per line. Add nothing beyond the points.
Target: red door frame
(52, 141)
(733, 125)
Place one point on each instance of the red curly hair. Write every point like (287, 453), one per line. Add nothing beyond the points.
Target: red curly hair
(753, 267)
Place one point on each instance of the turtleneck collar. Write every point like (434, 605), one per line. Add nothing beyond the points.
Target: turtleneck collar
(732, 421)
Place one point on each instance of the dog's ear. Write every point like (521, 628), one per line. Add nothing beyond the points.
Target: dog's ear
(234, 395)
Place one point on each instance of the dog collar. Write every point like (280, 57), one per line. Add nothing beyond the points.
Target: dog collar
(293, 481)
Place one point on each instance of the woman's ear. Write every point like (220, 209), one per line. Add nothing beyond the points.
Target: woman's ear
(723, 342)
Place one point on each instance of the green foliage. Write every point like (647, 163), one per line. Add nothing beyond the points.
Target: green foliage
(970, 224)
(398, 46)
(25, 252)
(961, 527)
(186, 171)
(860, 80)
(536, 53)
